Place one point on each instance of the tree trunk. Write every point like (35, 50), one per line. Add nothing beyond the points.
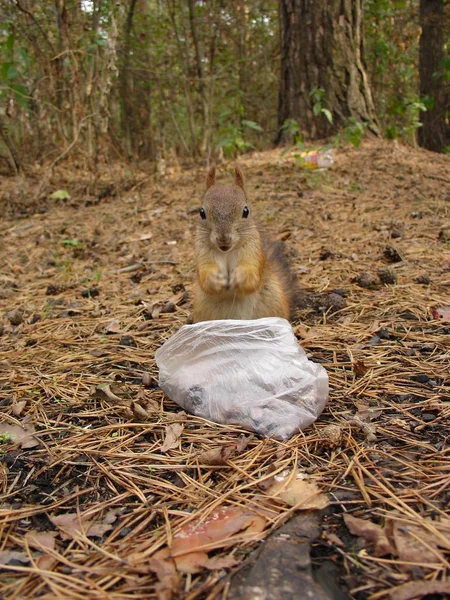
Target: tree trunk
(125, 75)
(14, 157)
(322, 49)
(435, 131)
(201, 77)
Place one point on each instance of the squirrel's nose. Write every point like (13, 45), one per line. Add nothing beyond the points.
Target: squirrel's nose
(224, 243)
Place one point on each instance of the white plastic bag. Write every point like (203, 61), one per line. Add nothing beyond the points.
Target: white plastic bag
(248, 373)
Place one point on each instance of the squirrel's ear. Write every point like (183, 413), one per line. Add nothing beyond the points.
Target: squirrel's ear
(239, 177)
(211, 178)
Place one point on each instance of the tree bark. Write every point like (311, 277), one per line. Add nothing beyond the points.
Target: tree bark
(322, 47)
(435, 131)
(200, 75)
(126, 100)
(14, 157)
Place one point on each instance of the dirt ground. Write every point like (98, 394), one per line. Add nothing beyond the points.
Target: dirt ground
(100, 472)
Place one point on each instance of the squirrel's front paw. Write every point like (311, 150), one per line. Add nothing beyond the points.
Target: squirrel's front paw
(244, 280)
(216, 283)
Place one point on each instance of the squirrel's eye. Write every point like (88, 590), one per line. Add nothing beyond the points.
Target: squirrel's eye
(202, 213)
(245, 212)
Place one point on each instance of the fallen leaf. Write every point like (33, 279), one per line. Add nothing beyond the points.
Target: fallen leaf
(304, 495)
(217, 456)
(267, 482)
(419, 589)
(368, 429)
(372, 533)
(168, 579)
(414, 543)
(8, 557)
(221, 562)
(18, 407)
(360, 368)
(60, 195)
(113, 327)
(41, 540)
(73, 524)
(334, 539)
(45, 562)
(243, 442)
(156, 310)
(103, 391)
(441, 314)
(366, 412)
(220, 455)
(20, 435)
(172, 434)
(139, 411)
(216, 529)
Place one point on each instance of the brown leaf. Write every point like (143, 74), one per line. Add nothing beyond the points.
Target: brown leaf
(242, 443)
(73, 524)
(18, 407)
(267, 482)
(366, 412)
(172, 434)
(20, 435)
(418, 589)
(216, 530)
(9, 556)
(193, 562)
(42, 540)
(217, 456)
(156, 310)
(360, 368)
(221, 562)
(113, 327)
(414, 543)
(304, 495)
(220, 455)
(373, 534)
(103, 391)
(139, 411)
(168, 579)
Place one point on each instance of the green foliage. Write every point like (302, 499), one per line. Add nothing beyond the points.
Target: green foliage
(231, 137)
(5, 438)
(317, 96)
(354, 132)
(392, 42)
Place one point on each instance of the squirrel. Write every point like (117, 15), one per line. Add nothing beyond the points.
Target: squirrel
(240, 274)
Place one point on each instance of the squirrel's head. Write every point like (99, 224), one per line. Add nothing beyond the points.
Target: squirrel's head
(225, 216)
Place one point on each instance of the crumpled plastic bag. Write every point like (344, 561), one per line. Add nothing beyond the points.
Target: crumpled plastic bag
(250, 373)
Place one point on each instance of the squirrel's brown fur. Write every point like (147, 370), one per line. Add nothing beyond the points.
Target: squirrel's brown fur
(240, 275)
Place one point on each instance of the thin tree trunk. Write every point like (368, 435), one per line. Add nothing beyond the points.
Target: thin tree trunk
(201, 76)
(125, 81)
(435, 131)
(183, 65)
(322, 48)
(14, 157)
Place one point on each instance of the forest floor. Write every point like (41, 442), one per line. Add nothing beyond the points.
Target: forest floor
(110, 491)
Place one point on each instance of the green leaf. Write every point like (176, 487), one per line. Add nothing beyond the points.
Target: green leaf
(317, 108)
(5, 69)
(252, 125)
(60, 195)
(328, 114)
(21, 94)
(71, 243)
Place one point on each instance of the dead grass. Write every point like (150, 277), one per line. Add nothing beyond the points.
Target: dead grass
(99, 449)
